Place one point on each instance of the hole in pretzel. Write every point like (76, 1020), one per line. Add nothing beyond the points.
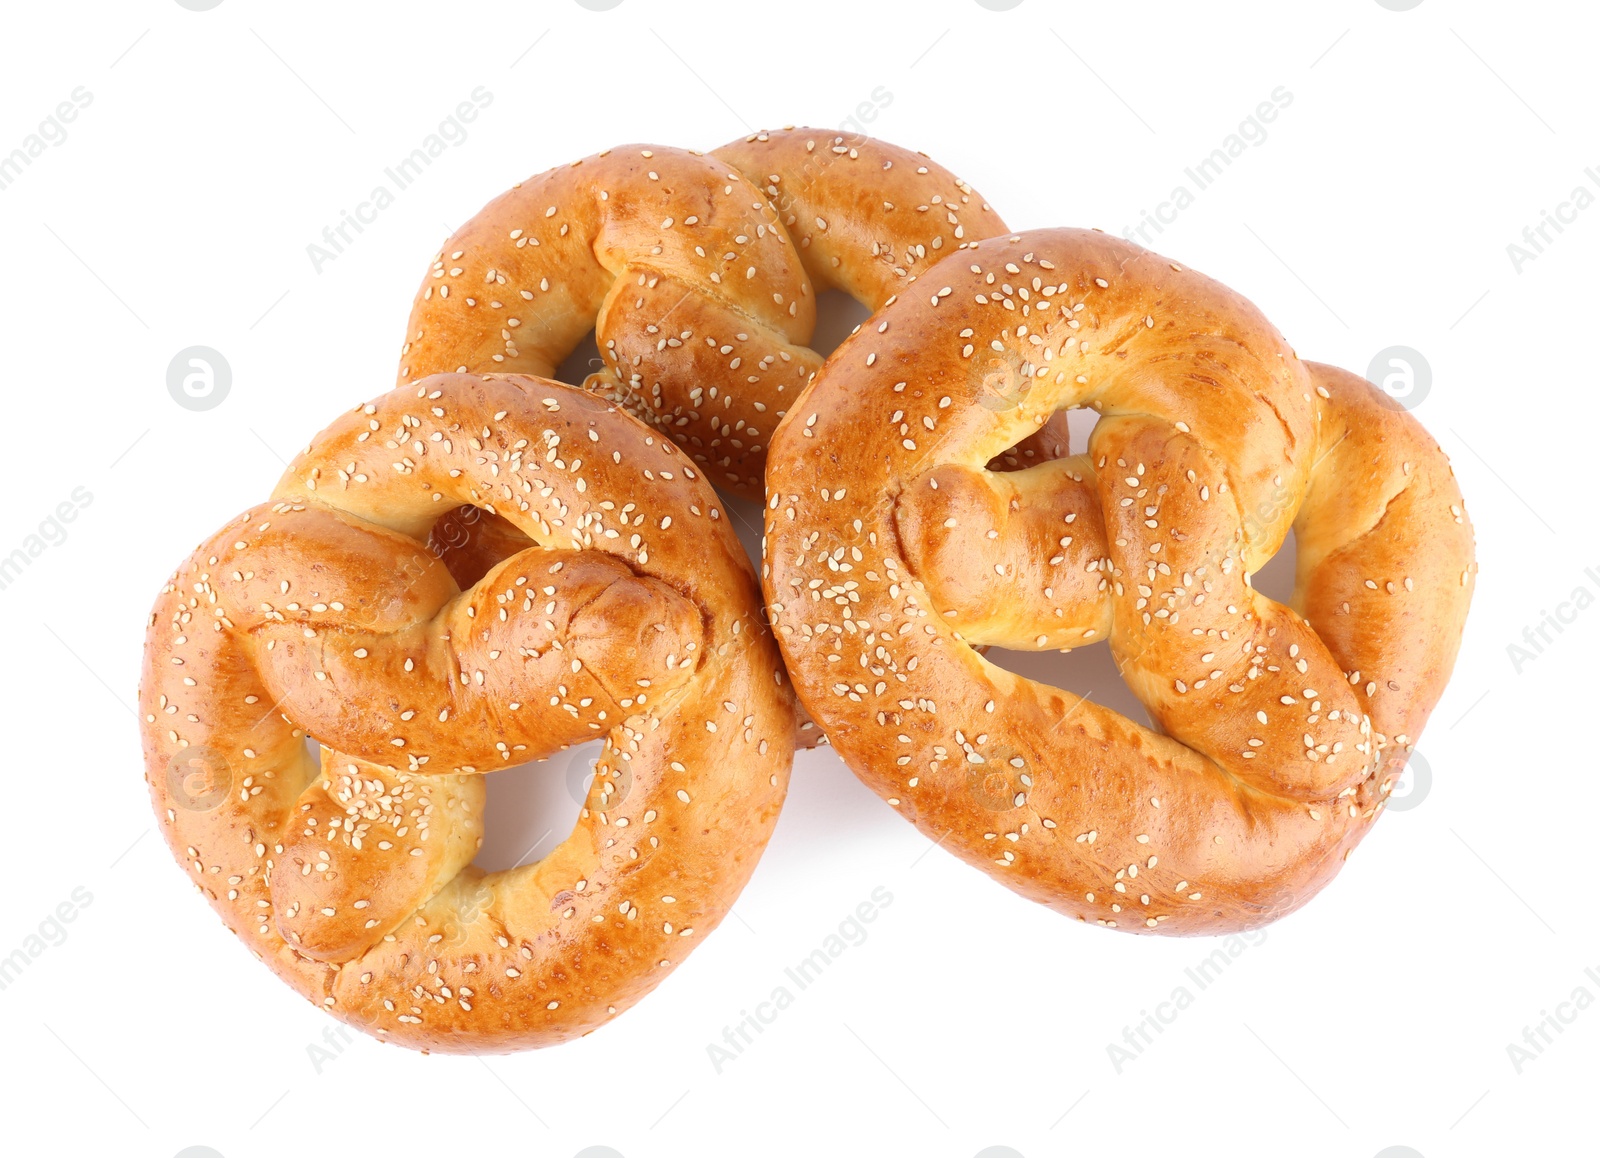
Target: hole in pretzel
(584, 360)
(533, 807)
(1080, 421)
(838, 314)
(1066, 433)
(745, 517)
(1082, 667)
(1276, 579)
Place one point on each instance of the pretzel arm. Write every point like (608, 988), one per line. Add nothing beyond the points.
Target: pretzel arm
(1385, 558)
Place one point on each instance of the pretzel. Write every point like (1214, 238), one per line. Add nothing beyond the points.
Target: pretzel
(633, 618)
(893, 553)
(698, 275)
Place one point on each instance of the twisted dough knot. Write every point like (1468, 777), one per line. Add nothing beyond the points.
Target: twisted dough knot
(892, 549)
(698, 275)
(631, 615)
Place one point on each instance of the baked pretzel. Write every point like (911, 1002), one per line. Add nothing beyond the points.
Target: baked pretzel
(892, 552)
(698, 275)
(634, 617)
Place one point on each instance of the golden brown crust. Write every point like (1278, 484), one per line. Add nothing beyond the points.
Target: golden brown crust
(697, 273)
(632, 616)
(1280, 734)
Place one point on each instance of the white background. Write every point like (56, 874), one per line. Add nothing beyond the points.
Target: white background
(1377, 212)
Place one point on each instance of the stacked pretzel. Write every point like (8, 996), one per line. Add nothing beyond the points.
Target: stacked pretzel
(698, 274)
(485, 566)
